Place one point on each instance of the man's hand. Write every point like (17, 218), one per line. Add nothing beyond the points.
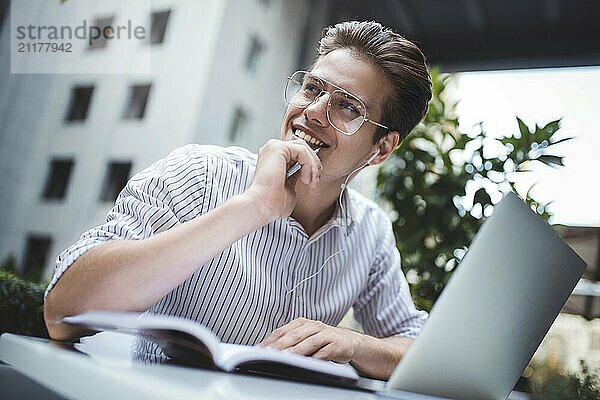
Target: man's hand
(374, 357)
(270, 186)
(316, 339)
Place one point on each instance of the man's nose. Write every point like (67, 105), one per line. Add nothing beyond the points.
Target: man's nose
(317, 110)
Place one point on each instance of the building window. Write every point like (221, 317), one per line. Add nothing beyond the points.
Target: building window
(37, 248)
(105, 26)
(136, 104)
(239, 124)
(158, 26)
(117, 174)
(3, 13)
(79, 105)
(255, 51)
(57, 180)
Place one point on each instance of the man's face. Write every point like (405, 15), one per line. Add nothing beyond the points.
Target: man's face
(342, 153)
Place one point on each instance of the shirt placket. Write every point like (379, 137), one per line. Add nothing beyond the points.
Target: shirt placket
(297, 261)
(302, 271)
(300, 297)
(296, 301)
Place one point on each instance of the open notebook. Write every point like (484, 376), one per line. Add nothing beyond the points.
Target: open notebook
(188, 343)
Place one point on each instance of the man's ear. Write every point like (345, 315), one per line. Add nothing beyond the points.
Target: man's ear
(386, 146)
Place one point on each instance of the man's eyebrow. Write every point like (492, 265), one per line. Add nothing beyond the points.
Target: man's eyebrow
(319, 80)
(351, 96)
(347, 92)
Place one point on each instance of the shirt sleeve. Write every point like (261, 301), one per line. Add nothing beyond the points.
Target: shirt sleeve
(385, 308)
(166, 194)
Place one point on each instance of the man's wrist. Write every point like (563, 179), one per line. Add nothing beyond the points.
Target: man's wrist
(360, 343)
(261, 209)
(372, 356)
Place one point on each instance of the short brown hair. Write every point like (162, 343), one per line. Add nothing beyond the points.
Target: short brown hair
(399, 59)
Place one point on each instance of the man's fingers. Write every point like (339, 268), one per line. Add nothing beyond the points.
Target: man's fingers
(293, 337)
(301, 152)
(326, 352)
(277, 333)
(285, 330)
(273, 337)
(312, 344)
(314, 338)
(270, 184)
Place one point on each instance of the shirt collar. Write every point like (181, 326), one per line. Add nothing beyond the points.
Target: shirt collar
(341, 218)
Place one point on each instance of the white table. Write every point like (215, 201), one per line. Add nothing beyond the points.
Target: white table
(75, 375)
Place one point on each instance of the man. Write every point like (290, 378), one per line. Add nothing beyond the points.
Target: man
(224, 237)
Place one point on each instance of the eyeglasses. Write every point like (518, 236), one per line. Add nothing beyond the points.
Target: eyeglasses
(345, 112)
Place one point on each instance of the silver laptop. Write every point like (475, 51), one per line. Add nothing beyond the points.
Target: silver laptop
(495, 311)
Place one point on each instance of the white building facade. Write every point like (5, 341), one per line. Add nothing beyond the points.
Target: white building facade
(68, 142)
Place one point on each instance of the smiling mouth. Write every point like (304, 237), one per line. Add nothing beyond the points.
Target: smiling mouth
(314, 143)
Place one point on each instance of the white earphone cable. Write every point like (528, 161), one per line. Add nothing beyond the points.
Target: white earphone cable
(344, 221)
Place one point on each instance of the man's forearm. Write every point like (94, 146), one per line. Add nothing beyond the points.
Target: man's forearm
(377, 358)
(134, 274)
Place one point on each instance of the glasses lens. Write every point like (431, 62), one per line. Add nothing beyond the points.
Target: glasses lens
(347, 112)
(302, 88)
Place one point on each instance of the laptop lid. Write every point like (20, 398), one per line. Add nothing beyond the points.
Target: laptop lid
(495, 310)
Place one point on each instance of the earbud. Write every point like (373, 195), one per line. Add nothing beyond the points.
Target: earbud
(375, 154)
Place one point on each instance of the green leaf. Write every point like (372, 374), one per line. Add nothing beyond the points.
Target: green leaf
(551, 160)
(552, 142)
(523, 128)
(552, 127)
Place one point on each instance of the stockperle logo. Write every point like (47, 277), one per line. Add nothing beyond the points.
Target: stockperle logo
(80, 36)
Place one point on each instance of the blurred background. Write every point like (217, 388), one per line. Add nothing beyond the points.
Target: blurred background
(213, 72)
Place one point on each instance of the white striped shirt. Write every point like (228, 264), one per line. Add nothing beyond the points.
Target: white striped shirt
(240, 294)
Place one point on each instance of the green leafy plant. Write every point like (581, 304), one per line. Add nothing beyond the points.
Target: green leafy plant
(21, 304)
(440, 183)
(550, 384)
(9, 263)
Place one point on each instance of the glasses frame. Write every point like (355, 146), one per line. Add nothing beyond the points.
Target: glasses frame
(337, 89)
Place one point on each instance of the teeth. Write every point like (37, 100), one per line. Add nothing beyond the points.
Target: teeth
(307, 138)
